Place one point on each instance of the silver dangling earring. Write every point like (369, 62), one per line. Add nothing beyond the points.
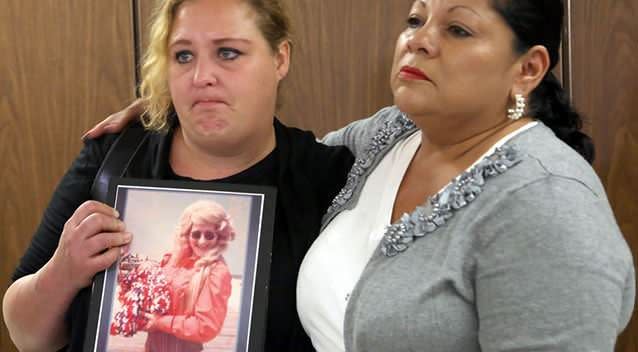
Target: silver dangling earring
(519, 108)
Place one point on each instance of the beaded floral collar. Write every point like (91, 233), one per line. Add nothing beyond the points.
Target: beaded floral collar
(439, 208)
(385, 138)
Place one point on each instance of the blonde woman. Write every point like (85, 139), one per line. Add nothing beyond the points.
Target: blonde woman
(199, 281)
(210, 81)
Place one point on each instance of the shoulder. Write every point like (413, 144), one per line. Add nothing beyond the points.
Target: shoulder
(551, 242)
(554, 198)
(545, 154)
(546, 170)
(544, 232)
(72, 190)
(97, 148)
(218, 276)
(561, 213)
(219, 268)
(358, 134)
(303, 150)
(104, 142)
(311, 173)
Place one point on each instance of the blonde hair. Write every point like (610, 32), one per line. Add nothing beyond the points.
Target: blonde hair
(206, 212)
(272, 21)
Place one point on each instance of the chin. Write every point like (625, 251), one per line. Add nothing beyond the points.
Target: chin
(410, 104)
(402, 105)
(214, 126)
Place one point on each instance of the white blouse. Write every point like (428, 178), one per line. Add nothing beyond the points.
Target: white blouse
(336, 259)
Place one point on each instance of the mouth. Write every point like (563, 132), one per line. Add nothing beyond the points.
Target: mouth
(203, 249)
(413, 73)
(208, 103)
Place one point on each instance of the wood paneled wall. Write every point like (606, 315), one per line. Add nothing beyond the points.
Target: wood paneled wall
(604, 66)
(64, 66)
(341, 61)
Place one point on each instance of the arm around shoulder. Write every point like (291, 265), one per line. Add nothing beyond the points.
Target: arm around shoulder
(554, 272)
(357, 134)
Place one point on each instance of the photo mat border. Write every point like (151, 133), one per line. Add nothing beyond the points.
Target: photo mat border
(254, 296)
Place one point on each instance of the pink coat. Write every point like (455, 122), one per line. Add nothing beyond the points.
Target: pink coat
(199, 297)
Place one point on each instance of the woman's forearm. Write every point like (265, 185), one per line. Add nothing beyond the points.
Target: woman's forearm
(35, 306)
(34, 309)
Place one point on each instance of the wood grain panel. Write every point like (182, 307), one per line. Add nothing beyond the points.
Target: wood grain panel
(64, 66)
(144, 10)
(341, 60)
(604, 43)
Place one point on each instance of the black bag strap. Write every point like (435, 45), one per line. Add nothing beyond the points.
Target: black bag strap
(118, 159)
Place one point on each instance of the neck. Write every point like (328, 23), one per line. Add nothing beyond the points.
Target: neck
(461, 141)
(205, 163)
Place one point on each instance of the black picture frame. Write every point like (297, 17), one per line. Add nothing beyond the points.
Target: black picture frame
(147, 207)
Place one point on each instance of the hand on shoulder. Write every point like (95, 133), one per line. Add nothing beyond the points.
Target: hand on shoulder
(117, 121)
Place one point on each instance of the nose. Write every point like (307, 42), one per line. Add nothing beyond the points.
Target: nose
(201, 241)
(205, 73)
(424, 40)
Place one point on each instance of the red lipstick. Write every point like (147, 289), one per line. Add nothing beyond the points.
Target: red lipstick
(409, 72)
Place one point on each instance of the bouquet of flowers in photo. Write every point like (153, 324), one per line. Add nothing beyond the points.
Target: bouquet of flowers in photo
(142, 289)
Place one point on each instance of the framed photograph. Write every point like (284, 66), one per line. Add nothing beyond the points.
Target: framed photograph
(194, 277)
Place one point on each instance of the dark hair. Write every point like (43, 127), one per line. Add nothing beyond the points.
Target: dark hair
(540, 22)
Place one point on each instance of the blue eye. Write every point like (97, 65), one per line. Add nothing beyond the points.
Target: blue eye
(228, 54)
(183, 56)
(458, 31)
(414, 22)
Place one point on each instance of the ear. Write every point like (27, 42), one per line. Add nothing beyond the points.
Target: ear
(282, 59)
(532, 67)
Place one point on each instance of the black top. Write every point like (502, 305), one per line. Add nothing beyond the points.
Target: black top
(307, 176)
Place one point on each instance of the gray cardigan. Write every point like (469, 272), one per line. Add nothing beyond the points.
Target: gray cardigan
(528, 258)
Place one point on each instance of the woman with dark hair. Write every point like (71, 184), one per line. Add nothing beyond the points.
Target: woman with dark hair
(472, 219)
(520, 251)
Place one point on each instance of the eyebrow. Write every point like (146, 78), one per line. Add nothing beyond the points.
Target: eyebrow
(424, 3)
(219, 41)
(462, 7)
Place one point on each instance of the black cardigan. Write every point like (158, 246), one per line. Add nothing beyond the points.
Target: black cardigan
(307, 176)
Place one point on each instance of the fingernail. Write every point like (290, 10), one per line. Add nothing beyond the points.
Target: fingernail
(85, 136)
(116, 213)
